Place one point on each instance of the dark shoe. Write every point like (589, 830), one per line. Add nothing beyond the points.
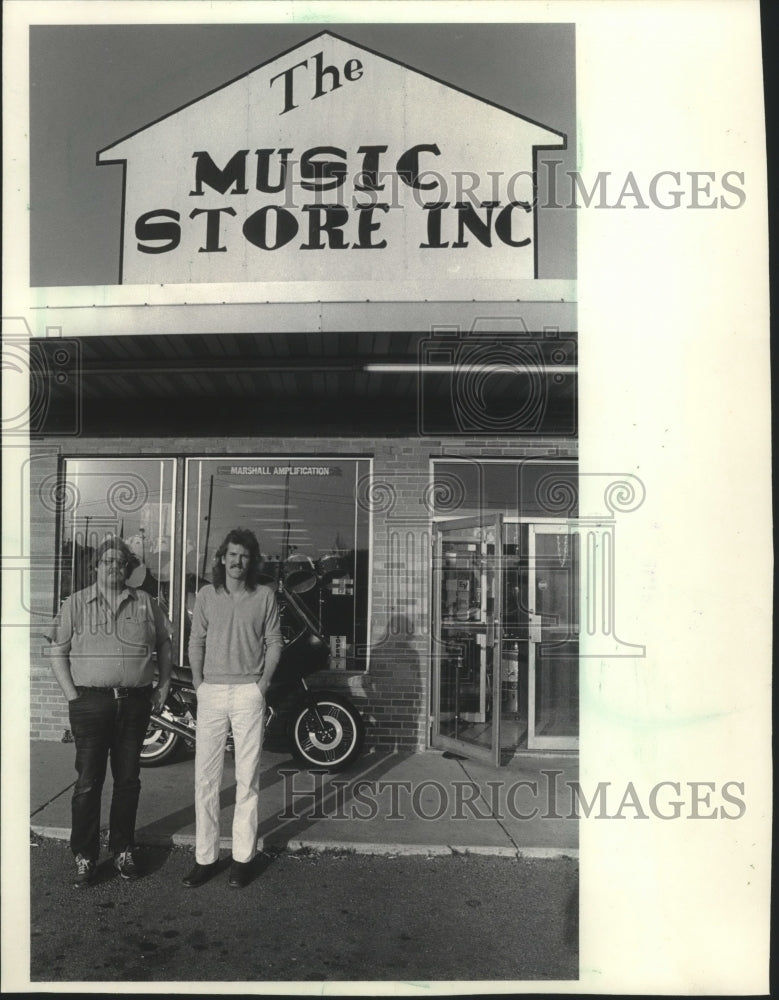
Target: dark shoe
(124, 862)
(240, 873)
(199, 875)
(85, 871)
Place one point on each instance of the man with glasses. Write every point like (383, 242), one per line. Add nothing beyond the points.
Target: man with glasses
(102, 646)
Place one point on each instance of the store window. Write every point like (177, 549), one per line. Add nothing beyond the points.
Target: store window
(128, 497)
(313, 535)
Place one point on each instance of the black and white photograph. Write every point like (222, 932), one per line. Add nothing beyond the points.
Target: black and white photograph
(359, 572)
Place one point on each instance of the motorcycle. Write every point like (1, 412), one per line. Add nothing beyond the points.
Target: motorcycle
(324, 729)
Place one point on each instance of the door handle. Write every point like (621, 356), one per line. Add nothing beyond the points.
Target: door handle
(534, 622)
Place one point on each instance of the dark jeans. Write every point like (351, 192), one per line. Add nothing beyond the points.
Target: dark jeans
(104, 726)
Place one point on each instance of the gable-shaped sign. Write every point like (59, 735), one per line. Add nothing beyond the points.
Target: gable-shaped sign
(331, 163)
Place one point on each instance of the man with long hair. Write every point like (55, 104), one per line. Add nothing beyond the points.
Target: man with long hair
(234, 648)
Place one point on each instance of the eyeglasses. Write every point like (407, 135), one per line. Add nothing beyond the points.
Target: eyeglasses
(121, 563)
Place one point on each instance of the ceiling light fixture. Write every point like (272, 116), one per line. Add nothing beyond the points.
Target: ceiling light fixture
(466, 368)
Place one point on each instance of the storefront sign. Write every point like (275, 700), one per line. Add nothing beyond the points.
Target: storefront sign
(278, 470)
(331, 163)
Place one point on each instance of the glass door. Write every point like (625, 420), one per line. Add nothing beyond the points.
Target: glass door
(467, 565)
(553, 651)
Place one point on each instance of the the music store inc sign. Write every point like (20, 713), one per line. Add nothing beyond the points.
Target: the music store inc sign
(331, 163)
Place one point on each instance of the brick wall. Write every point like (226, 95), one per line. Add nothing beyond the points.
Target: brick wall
(393, 694)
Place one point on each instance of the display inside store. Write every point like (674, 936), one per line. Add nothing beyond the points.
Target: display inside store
(131, 498)
(312, 530)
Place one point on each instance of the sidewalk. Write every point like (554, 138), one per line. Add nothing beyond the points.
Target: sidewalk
(386, 803)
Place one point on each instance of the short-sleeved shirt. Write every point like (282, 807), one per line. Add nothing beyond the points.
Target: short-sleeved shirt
(107, 647)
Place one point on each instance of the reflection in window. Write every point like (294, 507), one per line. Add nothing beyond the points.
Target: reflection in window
(131, 498)
(313, 535)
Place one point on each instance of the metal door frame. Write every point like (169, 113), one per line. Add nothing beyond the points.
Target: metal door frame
(535, 742)
(491, 754)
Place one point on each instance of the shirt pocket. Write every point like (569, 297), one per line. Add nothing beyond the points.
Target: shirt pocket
(137, 631)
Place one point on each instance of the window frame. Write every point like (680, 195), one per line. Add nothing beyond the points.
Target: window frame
(262, 457)
(62, 513)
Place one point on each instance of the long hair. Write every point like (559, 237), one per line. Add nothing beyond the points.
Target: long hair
(246, 538)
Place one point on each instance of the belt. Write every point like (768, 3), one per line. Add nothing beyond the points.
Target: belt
(117, 692)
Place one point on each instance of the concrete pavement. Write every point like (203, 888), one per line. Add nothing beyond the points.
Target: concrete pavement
(385, 803)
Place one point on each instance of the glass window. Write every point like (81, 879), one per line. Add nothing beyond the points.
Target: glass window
(129, 497)
(313, 535)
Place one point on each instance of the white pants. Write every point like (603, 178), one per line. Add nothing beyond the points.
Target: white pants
(220, 706)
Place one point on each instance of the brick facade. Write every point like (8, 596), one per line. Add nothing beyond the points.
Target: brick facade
(394, 693)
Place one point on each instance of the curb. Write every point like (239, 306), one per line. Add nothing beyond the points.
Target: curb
(347, 847)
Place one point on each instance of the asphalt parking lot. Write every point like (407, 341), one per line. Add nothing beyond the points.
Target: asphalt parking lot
(329, 916)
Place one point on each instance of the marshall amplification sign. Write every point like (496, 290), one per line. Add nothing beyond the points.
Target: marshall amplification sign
(331, 163)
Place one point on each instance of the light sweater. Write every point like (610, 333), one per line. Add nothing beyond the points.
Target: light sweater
(231, 636)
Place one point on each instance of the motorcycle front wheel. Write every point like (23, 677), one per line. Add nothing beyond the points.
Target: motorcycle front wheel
(159, 745)
(333, 740)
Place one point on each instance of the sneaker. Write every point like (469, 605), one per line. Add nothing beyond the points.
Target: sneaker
(126, 866)
(85, 871)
